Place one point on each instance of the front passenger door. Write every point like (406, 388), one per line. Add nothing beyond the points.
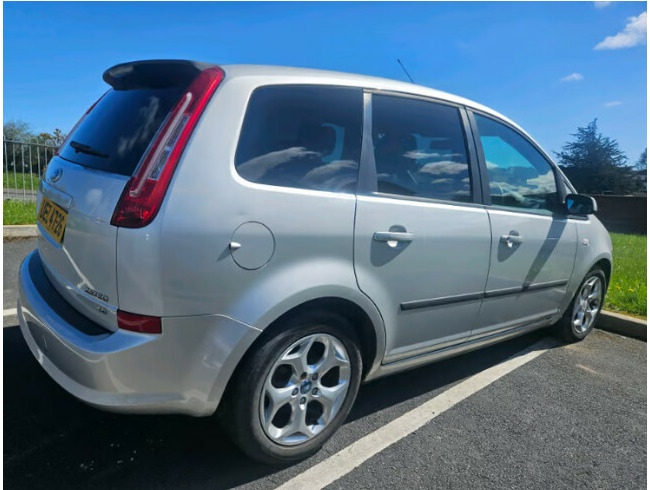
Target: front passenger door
(533, 242)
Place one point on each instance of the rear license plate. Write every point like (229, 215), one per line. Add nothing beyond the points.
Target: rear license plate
(53, 218)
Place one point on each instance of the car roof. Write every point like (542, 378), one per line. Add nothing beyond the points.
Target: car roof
(301, 75)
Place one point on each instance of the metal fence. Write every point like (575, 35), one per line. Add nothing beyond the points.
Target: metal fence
(24, 165)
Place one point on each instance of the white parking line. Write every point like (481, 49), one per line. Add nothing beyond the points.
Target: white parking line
(341, 463)
(9, 312)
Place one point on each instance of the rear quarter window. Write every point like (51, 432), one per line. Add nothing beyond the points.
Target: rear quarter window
(307, 137)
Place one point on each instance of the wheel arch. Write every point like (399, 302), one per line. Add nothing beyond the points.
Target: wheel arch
(370, 335)
(606, 265)
(581, 269)
(364, 328)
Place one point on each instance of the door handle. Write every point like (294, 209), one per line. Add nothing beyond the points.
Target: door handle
(392, 237)
(511, 239)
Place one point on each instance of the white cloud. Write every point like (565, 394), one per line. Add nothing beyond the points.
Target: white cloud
(417, 155)
(613, 103)
(258, 167)
(602, 5)
(574, 77)
(534, 188)
(635, 33)
(317, 174)
(542, 183)
(440, 168)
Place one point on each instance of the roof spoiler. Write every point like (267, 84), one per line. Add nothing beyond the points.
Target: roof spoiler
(153, 74)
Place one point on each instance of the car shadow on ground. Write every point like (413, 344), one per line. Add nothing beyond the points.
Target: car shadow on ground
(51, 440)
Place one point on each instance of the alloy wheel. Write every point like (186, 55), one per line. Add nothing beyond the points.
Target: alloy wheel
(587, 305)
(305, 389)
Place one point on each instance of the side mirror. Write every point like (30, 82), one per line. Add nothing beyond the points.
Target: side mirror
(580, 204)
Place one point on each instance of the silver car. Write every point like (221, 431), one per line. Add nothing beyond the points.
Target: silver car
(253, 242)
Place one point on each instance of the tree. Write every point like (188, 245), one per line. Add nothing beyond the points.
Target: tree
(595, 164)
(25, 151)
(58, 137)
(17, 130)
(55, 138)
(642, 164)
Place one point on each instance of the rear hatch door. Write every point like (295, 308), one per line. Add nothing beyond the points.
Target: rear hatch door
(85, 180)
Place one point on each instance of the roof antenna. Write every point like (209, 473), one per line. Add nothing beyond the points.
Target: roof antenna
(407, 73)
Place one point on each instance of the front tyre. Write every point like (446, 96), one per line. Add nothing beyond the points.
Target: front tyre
(581, 315)
(294, 390)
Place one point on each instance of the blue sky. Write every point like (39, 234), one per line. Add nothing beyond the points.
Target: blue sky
(535, 62)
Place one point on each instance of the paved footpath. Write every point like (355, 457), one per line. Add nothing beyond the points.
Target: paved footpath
(14, 252)
(19, 194)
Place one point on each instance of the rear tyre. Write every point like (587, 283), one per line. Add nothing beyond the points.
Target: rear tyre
(294, 390)
(581, 315)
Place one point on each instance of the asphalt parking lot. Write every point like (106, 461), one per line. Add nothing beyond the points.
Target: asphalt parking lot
(575, 416)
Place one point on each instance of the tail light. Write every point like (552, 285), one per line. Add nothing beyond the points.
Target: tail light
(144, 193)
(138, 323)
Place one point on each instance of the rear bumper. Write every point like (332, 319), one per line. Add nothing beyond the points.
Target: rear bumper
(183, 370)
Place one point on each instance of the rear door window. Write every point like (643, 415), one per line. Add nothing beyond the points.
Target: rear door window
(307, 137)
(116, 133)
(420, 149)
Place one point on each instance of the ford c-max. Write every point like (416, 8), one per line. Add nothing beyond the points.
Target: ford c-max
(254, 242)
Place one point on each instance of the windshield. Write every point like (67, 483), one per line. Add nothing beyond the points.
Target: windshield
(116, 133)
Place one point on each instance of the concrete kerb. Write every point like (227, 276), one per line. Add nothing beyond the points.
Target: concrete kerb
(19, 231)
(623, 325)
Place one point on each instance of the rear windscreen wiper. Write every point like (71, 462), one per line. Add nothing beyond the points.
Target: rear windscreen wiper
(88, 150)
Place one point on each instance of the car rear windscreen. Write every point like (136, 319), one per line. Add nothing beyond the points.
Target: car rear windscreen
(116, 133)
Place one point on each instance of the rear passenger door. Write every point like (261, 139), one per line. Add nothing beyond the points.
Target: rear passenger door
(533, 243)
(422, 243)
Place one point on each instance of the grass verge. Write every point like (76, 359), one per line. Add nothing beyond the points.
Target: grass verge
(18, 212)
(17, 180)
(628, 288)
